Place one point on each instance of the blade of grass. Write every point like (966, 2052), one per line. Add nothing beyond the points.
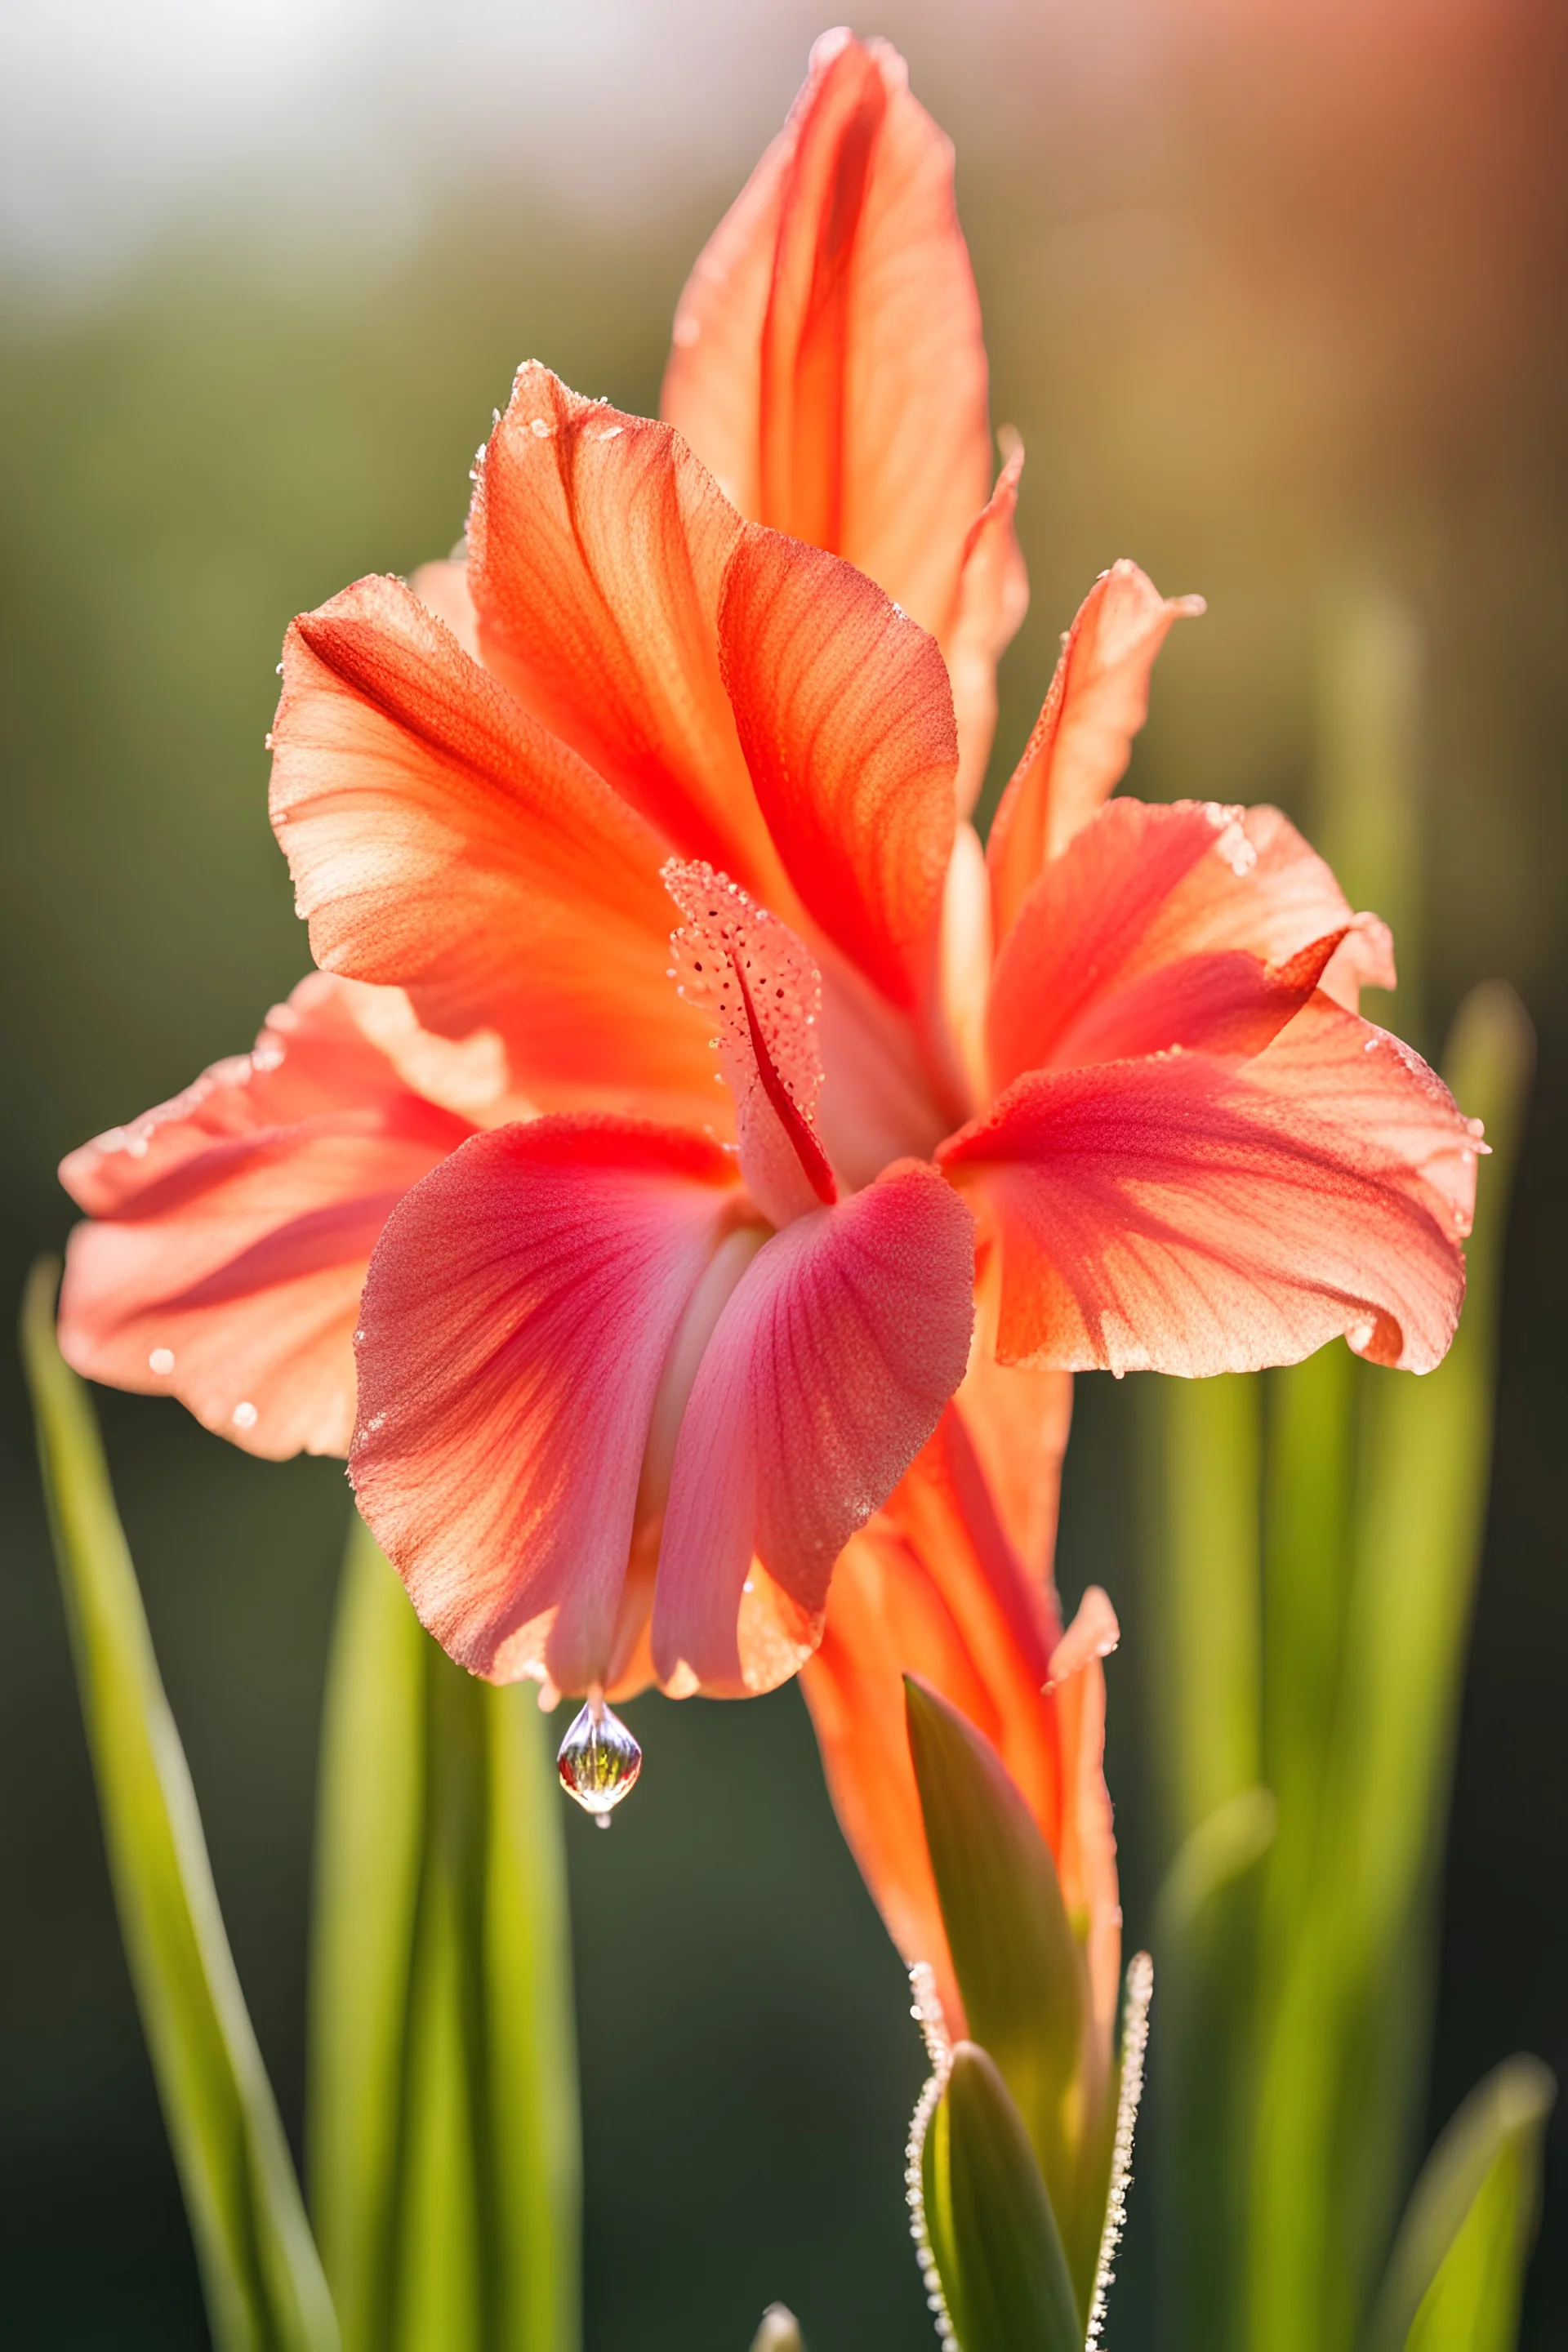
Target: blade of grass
(444, 2128)
(1206, 1937)
(1204, 1593)
(1342, 2069)
(371, 1804)
(1456, 2272)
(264, 2287)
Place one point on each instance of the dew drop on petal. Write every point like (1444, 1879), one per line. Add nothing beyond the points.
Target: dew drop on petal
(599, 1760)
(162, 1359)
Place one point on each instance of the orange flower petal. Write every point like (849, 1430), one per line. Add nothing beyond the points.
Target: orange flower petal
(439, 837)
(1178, 1213)
(1017, 1419)
(828, 360)
(515, 1326)
(826, 1372)
(988, 608)
(934, 1588)
(234, 1224)
(1078, 754)
(596, 553)
(1086, 1854)
(1163, 925)
(845, 714)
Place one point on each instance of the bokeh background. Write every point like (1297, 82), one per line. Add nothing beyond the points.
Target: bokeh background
(1274, 291)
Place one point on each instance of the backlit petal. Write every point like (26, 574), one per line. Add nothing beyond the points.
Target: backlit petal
(232, 1227)
(828, 360)
(845, 713)
(1185, 1215)
(596, 553)
(1086, 1850)
(440, 837)
(515, 1328)
(751, 978)
(1162, 926)
(826, 1371)
(1082, 740)
(989, 604)
(932, 1588)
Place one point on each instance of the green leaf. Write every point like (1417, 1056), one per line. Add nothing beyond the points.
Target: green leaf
(262, 2281)
(1344, 2045)
(1206, 1936)
(443, 2133)
(1205, 1600)
(1458, 2269)
(989, 2221)
(1018, 1964)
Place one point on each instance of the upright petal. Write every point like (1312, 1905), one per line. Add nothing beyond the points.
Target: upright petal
(1182, 1213)
(1085, 1855)
(517, 1321)
(1018, 1418)
(988, 608)
(1184, 924)
(1078, 754)
(932, 1588)
(440, 837)
(845, 713)
(828, 360)
(826, 1374)
(751, 977)
(597, 552)
(232, 1227)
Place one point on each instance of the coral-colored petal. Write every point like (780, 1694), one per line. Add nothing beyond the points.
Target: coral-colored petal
(234, 1224)
(826, 1371)
(1018, 1418)
(1185, 1215)
(1082, 740)
(1086, 1850)
(827, 360)
(989, 606)
(845, 713)
(1160, 927)
(596, 553)
(443, 589)
(440, 837)
(931, 1588)
(751, 978)
(515, 1326)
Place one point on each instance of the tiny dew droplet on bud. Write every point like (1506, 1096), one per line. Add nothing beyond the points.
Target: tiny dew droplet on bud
(598, 1761)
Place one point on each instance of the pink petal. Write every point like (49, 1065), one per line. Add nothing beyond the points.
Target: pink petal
(1183, 1214)
(1187, 925)
(516, 1323)
(826, 1372)
(1082, 740)
(751, 977)
(232, 1227)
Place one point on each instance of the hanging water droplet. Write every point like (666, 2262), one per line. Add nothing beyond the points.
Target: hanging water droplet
(599, 1760)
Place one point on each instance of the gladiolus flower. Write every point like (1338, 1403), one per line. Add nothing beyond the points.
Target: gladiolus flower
(687, 1289)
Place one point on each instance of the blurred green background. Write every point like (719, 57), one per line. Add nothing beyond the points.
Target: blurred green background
(1274, 294)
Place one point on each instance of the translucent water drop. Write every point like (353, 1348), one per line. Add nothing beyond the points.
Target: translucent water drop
(599, 1761)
